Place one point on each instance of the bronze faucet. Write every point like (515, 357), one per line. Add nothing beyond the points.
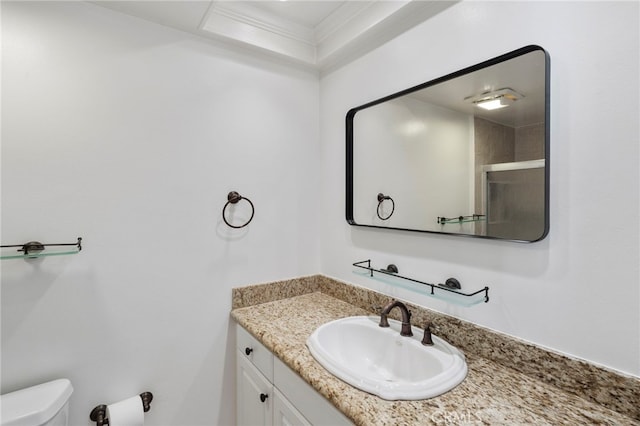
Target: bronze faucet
(406, 317)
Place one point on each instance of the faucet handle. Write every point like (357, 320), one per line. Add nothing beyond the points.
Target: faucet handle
(426, 338)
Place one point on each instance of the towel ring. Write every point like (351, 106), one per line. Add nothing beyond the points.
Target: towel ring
(233, 198)
(381, 198)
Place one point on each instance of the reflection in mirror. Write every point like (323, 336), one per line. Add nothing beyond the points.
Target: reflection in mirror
(465, 154)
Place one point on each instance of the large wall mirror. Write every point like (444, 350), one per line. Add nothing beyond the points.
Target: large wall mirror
(464, 154)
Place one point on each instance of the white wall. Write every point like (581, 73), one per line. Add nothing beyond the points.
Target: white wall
(126, 133)
(130, 135)
(577, 291)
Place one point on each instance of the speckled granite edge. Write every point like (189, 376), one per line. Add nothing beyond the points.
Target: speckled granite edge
(262, 293)
(597, 384)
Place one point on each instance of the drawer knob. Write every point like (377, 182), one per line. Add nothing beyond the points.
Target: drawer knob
(248, 351)
(263, 397)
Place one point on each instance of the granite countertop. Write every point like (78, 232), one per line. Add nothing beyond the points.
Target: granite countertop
(491, 393)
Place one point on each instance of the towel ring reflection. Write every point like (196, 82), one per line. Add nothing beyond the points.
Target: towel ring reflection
(233, 198)
(381, 198)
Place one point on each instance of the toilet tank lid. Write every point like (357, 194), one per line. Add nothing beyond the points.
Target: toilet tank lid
(35, 405)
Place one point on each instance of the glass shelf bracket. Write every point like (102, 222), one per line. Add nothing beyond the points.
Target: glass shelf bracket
(35, 249)
(460, 298)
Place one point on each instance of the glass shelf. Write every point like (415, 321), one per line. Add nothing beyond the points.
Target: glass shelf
(35, 249)
(461, 219)
(437, 291)
(35, 255)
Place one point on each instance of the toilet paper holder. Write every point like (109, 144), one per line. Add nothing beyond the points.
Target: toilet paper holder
(99, 413)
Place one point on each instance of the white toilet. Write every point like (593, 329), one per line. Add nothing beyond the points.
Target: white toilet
(45, 404)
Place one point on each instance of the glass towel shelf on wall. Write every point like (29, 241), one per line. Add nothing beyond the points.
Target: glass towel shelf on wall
(35, 249)
(438, 291)
(461, 219)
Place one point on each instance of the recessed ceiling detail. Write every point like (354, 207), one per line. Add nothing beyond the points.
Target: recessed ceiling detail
(319, 34)
(257, 27)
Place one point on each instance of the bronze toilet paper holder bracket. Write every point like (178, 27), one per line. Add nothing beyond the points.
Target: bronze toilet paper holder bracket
(99, 413)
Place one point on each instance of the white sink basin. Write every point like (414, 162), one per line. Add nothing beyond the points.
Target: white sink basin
(380, 361)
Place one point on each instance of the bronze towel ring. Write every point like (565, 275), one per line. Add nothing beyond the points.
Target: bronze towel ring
(381, 198)
(233, 198)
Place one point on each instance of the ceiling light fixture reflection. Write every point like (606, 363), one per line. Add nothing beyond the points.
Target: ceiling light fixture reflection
(497, 99)
(491, 104)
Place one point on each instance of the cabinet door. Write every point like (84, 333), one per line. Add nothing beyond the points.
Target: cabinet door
(285, 414)
(306, 400)
(254, 395)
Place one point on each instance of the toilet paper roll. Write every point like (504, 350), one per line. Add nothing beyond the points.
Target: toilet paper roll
(128, 412)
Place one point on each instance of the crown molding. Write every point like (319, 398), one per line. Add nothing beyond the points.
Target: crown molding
(336, 20)
(354, 28)
(351, 30)
(242, 23)
(246, 14)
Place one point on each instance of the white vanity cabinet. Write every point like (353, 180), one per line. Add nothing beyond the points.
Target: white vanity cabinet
(270, 393)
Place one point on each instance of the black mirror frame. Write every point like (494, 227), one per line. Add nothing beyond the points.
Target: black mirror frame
(547, 133)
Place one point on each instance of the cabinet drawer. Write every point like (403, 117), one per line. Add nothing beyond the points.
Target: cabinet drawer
(254, 351)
